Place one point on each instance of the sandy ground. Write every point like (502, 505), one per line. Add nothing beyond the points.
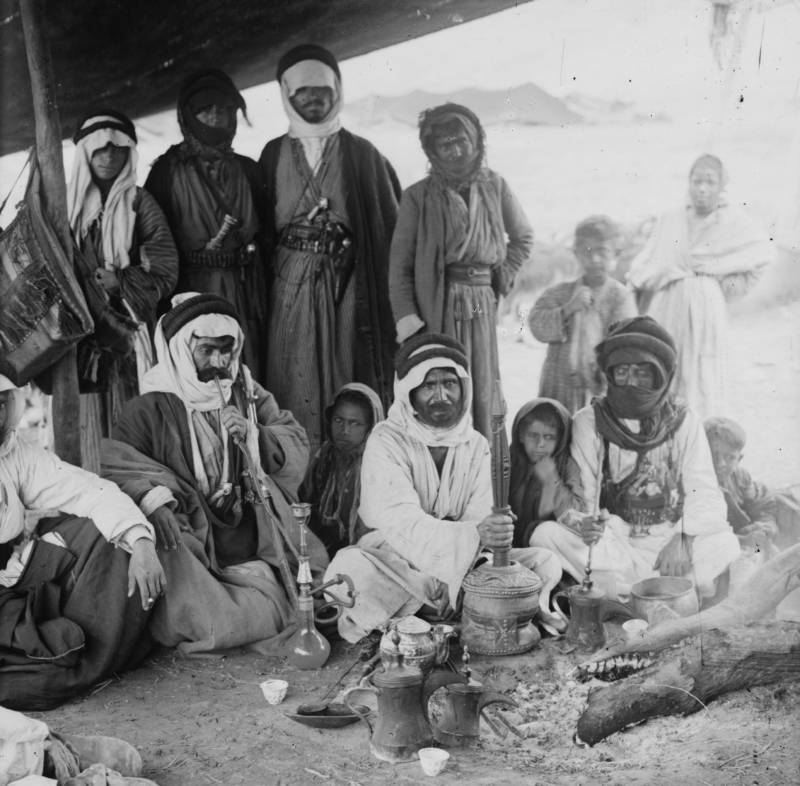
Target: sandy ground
(204, 721)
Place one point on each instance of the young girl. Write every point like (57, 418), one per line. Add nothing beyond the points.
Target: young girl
(545, 483)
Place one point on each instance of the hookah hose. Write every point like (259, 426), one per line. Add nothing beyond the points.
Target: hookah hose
(262, 509)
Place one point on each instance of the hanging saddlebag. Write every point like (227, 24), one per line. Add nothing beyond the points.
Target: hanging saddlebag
(42, 309)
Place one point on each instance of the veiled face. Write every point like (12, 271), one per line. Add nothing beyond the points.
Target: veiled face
(215, 115)
(705, 187)
(637, 375)
(212, 357)
(438, 400)
(313, 104)
(107, 162)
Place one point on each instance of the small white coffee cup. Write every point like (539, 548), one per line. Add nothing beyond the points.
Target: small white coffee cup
(634, 627)
(274, 690)
(433, 760)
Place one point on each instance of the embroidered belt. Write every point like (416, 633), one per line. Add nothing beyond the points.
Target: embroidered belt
(241, 257)
(330, 238)
(471, 275)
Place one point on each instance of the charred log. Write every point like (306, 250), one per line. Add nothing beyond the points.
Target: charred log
(683, 679)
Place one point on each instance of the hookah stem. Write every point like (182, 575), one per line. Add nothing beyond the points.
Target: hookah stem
(587, 578)
(277, 535)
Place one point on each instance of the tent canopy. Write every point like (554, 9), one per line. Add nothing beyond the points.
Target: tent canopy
(133, 54)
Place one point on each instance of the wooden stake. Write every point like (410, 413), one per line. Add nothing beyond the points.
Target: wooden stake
(75, 442)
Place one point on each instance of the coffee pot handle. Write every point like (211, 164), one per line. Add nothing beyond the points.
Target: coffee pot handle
(492, 697)
(615, 608)
(364, 716)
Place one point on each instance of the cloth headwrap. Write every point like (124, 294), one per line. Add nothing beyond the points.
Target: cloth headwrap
(415, 358)
(337, 472)
(176, 333)
(197, 91)
(310, 66)
(725, 430)
(638, 340)
(84, 202)
(196, 315)
(366, 395)
(524, 487)
(431, 121)
(429, 345)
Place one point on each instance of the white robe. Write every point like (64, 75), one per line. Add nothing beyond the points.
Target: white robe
(424, 536)
(624, 560)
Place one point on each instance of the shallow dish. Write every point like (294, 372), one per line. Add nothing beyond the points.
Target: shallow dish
(334, 716)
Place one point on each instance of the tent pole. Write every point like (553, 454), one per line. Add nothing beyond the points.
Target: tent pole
(75, 441)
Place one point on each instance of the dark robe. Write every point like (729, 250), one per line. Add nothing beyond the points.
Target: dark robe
(195, 214)
(373, 193)
(207, 606)
(68, 622)
(525, 489)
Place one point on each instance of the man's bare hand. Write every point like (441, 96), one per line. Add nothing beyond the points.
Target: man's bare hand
(758, 534)
(591, 528)
(107, 279)
(496, 531)
(234, 421)
(675, 559)
(146, 573)
(167, 526)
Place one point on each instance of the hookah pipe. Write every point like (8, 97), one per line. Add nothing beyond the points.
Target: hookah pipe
(586, 583)
(307, 647)
(258, 490)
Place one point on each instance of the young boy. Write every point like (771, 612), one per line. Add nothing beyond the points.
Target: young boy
(751, 505)
(573, 316)
(333, 479)
(544, 478)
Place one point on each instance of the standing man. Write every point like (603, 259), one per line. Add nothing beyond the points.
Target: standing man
(461, 237)
(332, 205)
(212, 198)
(122, 233)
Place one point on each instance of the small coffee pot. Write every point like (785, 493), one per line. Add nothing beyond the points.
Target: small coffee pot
(588, 609)
(402, 726)
(459, 726)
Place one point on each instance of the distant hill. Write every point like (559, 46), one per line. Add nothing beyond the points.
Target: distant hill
(525, 105)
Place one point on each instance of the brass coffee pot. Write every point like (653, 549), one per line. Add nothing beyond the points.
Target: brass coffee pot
(588, 609)
(402, 726)
(459, 726)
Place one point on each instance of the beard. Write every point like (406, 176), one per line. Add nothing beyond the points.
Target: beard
(207, 374)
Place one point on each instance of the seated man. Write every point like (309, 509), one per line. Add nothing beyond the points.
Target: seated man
(426, 495)
(186, 450)
(76, 592)
(643, 457)
(333, 481)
